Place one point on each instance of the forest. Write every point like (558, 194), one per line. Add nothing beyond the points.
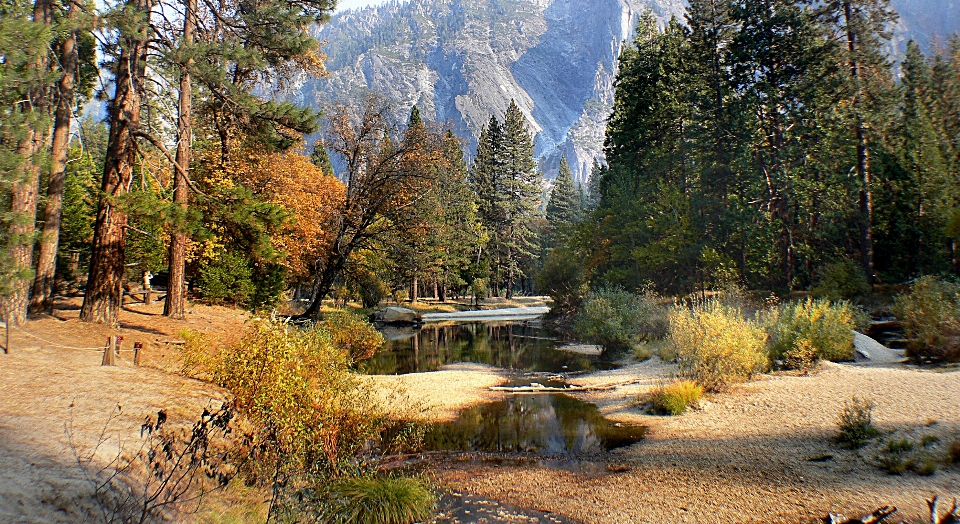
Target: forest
(775, 144)
(770, 144)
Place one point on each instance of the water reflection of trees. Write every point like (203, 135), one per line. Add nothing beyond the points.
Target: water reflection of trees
(545, 424)
(507, 345)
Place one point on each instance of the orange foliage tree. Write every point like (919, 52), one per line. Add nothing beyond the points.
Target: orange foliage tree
(311, 198)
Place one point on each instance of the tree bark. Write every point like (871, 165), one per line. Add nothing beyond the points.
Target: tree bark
(43, 284)
(176, 289)
(863, 153)
(25, 188)
(104, 293)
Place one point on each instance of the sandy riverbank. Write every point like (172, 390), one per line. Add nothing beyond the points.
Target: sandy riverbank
(745, 457)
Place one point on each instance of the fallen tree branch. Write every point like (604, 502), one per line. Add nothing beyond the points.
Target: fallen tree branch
(951, 517)
(539, 388)
(872, 518)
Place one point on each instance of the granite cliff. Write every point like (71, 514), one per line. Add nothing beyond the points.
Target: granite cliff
(462, 60)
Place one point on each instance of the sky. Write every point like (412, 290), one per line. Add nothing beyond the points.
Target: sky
(343, 5)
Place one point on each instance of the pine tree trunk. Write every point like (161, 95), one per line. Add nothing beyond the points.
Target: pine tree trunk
(24, 189)
(863, 154)
(510, 275)
(23, 195)
(43, 284)
(414, 290)
(104, 293)
(176, 288)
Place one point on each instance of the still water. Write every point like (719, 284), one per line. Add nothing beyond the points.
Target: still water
(547, 424)
(516, 346)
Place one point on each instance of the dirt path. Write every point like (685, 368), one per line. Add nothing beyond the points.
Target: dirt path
(55, 402)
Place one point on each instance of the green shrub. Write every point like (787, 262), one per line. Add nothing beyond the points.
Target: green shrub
(353, 334)
(379, 500)
(618, 319)
(929, 440)
(842, 280)
(894, 464)
(900, 446)
(856, 423)
(926, 467)
(953, 453)
(809, 330)
(643, 350)
(269, 283)
(716, 346)
(563, 278)
(675, 398)
(228, 279)
(930, 313)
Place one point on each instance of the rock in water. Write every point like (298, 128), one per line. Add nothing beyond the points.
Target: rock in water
(398, 315)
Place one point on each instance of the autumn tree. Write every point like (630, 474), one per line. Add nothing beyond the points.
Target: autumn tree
(385, 179)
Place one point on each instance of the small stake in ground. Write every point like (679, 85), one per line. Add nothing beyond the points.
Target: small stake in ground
(137, 347)
(110, 353)
(6, 345)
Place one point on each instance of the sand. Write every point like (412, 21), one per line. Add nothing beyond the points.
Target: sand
(744, 457)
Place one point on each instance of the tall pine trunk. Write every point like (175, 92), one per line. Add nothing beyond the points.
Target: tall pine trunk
(43, 284)
(104, 293)
(24, 188)
(176, 288)
(863, 153)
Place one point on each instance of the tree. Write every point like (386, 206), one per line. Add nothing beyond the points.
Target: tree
(565, 207)
(321, 158)
(385, 180)
(25, 34)
(77, 69)
(103, 296)
(519, 194)
(249, 49)
(862, 26)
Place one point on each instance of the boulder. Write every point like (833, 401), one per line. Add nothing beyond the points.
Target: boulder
(397, 315)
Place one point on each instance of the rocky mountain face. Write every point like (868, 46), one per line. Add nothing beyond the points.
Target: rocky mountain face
(461, 61)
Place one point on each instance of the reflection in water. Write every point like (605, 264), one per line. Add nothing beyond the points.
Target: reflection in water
(509, 345)
(546, 424)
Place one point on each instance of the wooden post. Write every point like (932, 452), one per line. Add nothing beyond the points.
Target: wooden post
(6, 345)
(148, 297)
(137, 346)
(110, 353)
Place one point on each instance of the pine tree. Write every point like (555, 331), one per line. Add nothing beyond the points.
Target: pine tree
(25, 34)
(521, 196)
(486, 182)
(862, 26)
(565, 207)
(104, 292)
(321, 158)
(77, 61)
(922, 158)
